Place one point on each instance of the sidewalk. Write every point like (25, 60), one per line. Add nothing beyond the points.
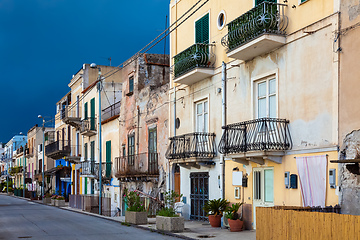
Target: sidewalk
(193, 229)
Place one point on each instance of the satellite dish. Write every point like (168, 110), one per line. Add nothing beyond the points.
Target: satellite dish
(93, 65)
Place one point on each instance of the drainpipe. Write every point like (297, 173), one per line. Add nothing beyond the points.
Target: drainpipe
(223, 123)
(170, 170)
(138, 128)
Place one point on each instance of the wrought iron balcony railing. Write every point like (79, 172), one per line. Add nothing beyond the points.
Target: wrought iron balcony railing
(143, 164)
(261, 134)
(266, 17)
(29, 152)
(197, 145)
(88, 126)
(71, 115)
(91, 168)
(74, 156)
(58, 149)
(110, 111)
(198, 55)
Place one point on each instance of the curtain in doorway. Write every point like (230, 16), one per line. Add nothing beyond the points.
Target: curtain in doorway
(312, 175)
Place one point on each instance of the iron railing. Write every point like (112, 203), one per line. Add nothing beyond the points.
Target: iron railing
(88, 124)
(198, 55)
(266, 17)
(29, 152)
(198, 145)
(137, 164)
(110, 111)
(70, 112)
(256, 135)
(58, 149)
(91, 168)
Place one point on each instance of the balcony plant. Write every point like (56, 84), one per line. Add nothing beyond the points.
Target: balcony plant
(214, 208)
(60, 201)
(234, 220)
(135, 212)
(167, 219)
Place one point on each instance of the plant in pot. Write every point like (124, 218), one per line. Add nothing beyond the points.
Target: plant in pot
(46, 198)
(214, 208)
(135, 212)
(53, 198)
(60, 201)
(167, 219)
(235, 222)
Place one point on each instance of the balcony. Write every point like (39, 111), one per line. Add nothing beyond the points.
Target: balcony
(16, 170)
(256, 32)
(256, 140)
(74, 156)
(58, 149)
(192, 148)
(91, 169)
(143, 166)
(194, 64)
(88, 127)
(29, 152)
(71, 116)
(110, 113)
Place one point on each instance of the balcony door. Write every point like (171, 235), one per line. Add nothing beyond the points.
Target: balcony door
(152, 164)
(263, 189)
(202, 123)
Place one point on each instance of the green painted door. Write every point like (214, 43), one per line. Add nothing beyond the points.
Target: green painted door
(108, 159)
(92, 114)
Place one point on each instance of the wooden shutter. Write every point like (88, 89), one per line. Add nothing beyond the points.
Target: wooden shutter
(86, 151)
(108, 158)
(202, 30)
(92, 114)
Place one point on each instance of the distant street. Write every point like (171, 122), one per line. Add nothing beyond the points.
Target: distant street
(21, 219)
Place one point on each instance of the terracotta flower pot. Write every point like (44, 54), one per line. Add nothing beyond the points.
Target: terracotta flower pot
(215, 221)
(235, 225)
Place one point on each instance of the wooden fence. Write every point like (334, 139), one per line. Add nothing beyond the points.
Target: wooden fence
(284, 224)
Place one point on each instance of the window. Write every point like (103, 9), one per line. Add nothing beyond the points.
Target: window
(131, 149)
(202, 116)
(202, 29)
(131, 84)
(85, 151)
(221, 20)
(152, 164)
(266, 98)
(86, 111)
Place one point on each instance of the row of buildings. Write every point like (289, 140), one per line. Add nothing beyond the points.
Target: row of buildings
(256, 103)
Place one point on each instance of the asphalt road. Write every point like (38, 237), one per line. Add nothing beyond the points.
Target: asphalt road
(21, 219)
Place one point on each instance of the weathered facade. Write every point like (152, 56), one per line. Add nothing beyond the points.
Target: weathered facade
(280, 94)
(349, 111)
(143, 125)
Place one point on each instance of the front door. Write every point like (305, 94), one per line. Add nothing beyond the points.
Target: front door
(263, 192)
(199, 194)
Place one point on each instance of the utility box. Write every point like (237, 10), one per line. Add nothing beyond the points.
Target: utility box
(287, 179)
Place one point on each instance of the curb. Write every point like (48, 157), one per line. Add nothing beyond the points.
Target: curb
(112, 220)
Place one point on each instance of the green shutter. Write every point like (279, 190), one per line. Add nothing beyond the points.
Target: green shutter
(86, 111)
(202, 30)
(108, 159)
(260, 1)
(92, 114)
(86, 185)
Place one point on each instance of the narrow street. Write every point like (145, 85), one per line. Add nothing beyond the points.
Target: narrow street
(24, 219)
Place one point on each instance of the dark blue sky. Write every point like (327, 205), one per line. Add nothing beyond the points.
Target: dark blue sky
(44, 42)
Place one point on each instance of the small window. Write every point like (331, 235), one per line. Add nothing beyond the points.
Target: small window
(202, 29)
(221, 20)
(131, 84)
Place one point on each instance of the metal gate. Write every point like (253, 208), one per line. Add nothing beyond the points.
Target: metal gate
(199, 194)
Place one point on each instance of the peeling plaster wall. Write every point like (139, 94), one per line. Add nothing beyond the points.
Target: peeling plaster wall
(350, 182)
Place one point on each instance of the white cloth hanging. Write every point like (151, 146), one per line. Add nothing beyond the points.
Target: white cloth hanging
(312, 175)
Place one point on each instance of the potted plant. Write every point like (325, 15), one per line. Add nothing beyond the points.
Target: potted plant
(46, 198)
(214, 208)
(60, 201)
(135, 213)
(235, 222)
(167, 219)
(53, 197)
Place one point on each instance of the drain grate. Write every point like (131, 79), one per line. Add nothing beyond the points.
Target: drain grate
(25, 237)
(205, 236)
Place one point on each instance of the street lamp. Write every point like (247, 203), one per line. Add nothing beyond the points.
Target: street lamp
(99, 87)
(43, 157)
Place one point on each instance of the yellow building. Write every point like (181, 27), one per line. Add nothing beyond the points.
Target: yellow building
(246, 130)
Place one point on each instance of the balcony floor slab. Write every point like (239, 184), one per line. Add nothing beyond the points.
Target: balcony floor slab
(194, 76)
(259, 46)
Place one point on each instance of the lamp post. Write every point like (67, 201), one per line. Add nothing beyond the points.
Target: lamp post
(43, 157)
(99, 88)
